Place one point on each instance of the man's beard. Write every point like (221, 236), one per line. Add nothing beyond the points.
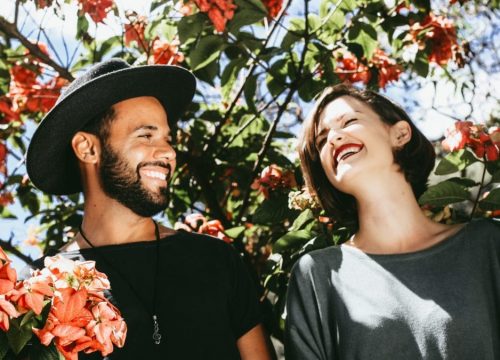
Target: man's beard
(122, 183)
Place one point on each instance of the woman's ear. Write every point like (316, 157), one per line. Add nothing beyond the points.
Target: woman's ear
(85, 147)
(400, 133)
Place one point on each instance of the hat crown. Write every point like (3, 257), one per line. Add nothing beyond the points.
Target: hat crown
(94, 72)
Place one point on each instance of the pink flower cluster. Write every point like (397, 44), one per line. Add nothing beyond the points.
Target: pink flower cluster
(80, 317)
(273, 177)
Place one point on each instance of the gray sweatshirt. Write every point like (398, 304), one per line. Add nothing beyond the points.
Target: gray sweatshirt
(439, 303)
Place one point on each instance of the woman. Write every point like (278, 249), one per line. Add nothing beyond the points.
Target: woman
(403, 286)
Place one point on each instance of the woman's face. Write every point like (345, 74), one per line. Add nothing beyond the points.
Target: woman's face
(354, 143)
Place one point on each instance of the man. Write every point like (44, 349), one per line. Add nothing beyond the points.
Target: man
(183, 295)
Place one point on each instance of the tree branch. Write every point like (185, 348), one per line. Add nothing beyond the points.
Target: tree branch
(10, 30)
(7, 246)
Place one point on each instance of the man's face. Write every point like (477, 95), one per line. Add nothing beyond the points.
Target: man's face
(137, 160)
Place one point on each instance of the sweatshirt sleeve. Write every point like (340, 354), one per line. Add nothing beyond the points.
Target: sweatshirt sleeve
(304, 330)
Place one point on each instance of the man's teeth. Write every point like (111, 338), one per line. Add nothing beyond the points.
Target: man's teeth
(155, 174)
(347, 152)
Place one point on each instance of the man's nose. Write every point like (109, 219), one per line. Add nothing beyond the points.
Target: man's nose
(165, 151)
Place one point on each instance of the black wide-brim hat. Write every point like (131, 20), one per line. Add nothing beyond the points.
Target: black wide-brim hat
(50, 161)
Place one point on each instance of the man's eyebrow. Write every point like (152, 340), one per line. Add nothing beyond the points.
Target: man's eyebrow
(145, 127)
(151, 128)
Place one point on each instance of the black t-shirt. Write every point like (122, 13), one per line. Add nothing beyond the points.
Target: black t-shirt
(205, 297)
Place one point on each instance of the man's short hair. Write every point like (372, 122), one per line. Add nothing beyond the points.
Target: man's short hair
(416, 158)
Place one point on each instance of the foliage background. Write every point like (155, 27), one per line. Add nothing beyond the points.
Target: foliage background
(259, 65)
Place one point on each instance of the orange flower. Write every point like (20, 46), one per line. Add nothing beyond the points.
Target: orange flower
(6, 198)
(66, 320)
(350, 69)
(7, 311)
(8, 275)
(219, 11)
(97, 9)
(32, 292)
(215, 228)
(107, 326)
(166, 53)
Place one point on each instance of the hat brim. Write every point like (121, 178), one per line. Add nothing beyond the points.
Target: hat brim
(50, 161)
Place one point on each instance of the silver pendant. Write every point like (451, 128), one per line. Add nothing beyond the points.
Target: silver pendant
(156, 332)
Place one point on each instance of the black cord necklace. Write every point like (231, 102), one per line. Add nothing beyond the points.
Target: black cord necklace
(156, 325)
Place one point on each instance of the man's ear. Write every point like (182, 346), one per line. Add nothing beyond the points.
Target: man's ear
(85, 147)
(400, 133)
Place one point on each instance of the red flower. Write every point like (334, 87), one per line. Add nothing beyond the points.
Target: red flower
(350, 69)
(97, 9)
(273, 7)
(166, 53)
(135, 30)
(440, 36)
(219, 11)
(8, 114)
(6, 198)
(476, 137)
(457, 136)
(388, 69)
(215, 228)
(272, 177)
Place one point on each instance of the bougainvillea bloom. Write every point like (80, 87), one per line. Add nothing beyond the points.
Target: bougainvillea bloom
(440, 36)
(350, 69)
(218, 11)
(165, 52)
(97, 9)
(200, 224)
(273, 7)
(388, 69)
(6, 112)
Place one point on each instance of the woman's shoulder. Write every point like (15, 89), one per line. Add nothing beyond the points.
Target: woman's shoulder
(319, 261)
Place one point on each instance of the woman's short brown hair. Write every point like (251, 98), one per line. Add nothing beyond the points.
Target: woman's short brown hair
(416, 158)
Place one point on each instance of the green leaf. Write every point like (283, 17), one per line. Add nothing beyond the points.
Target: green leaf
(235, 231)
(82, 26)
(4, 345)
(249, 92)
(41, 352)
(305, 217)
(492, 201)
(465, 182)
(273, 210)
(366, 36)
(248, 12)
(421, 64)
(496, 177)
(206, 51)
(292, 240)
(229, 76)
(444, 193)
(18, 336)
(189, 27)
(348, 5)
(455, 161)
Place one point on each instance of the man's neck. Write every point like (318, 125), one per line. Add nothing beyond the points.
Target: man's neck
(109, 223)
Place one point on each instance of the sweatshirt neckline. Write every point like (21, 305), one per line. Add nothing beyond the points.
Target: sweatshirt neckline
(435, 248)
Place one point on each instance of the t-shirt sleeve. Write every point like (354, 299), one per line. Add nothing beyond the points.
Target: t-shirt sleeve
(243, 303)
(303, 330)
